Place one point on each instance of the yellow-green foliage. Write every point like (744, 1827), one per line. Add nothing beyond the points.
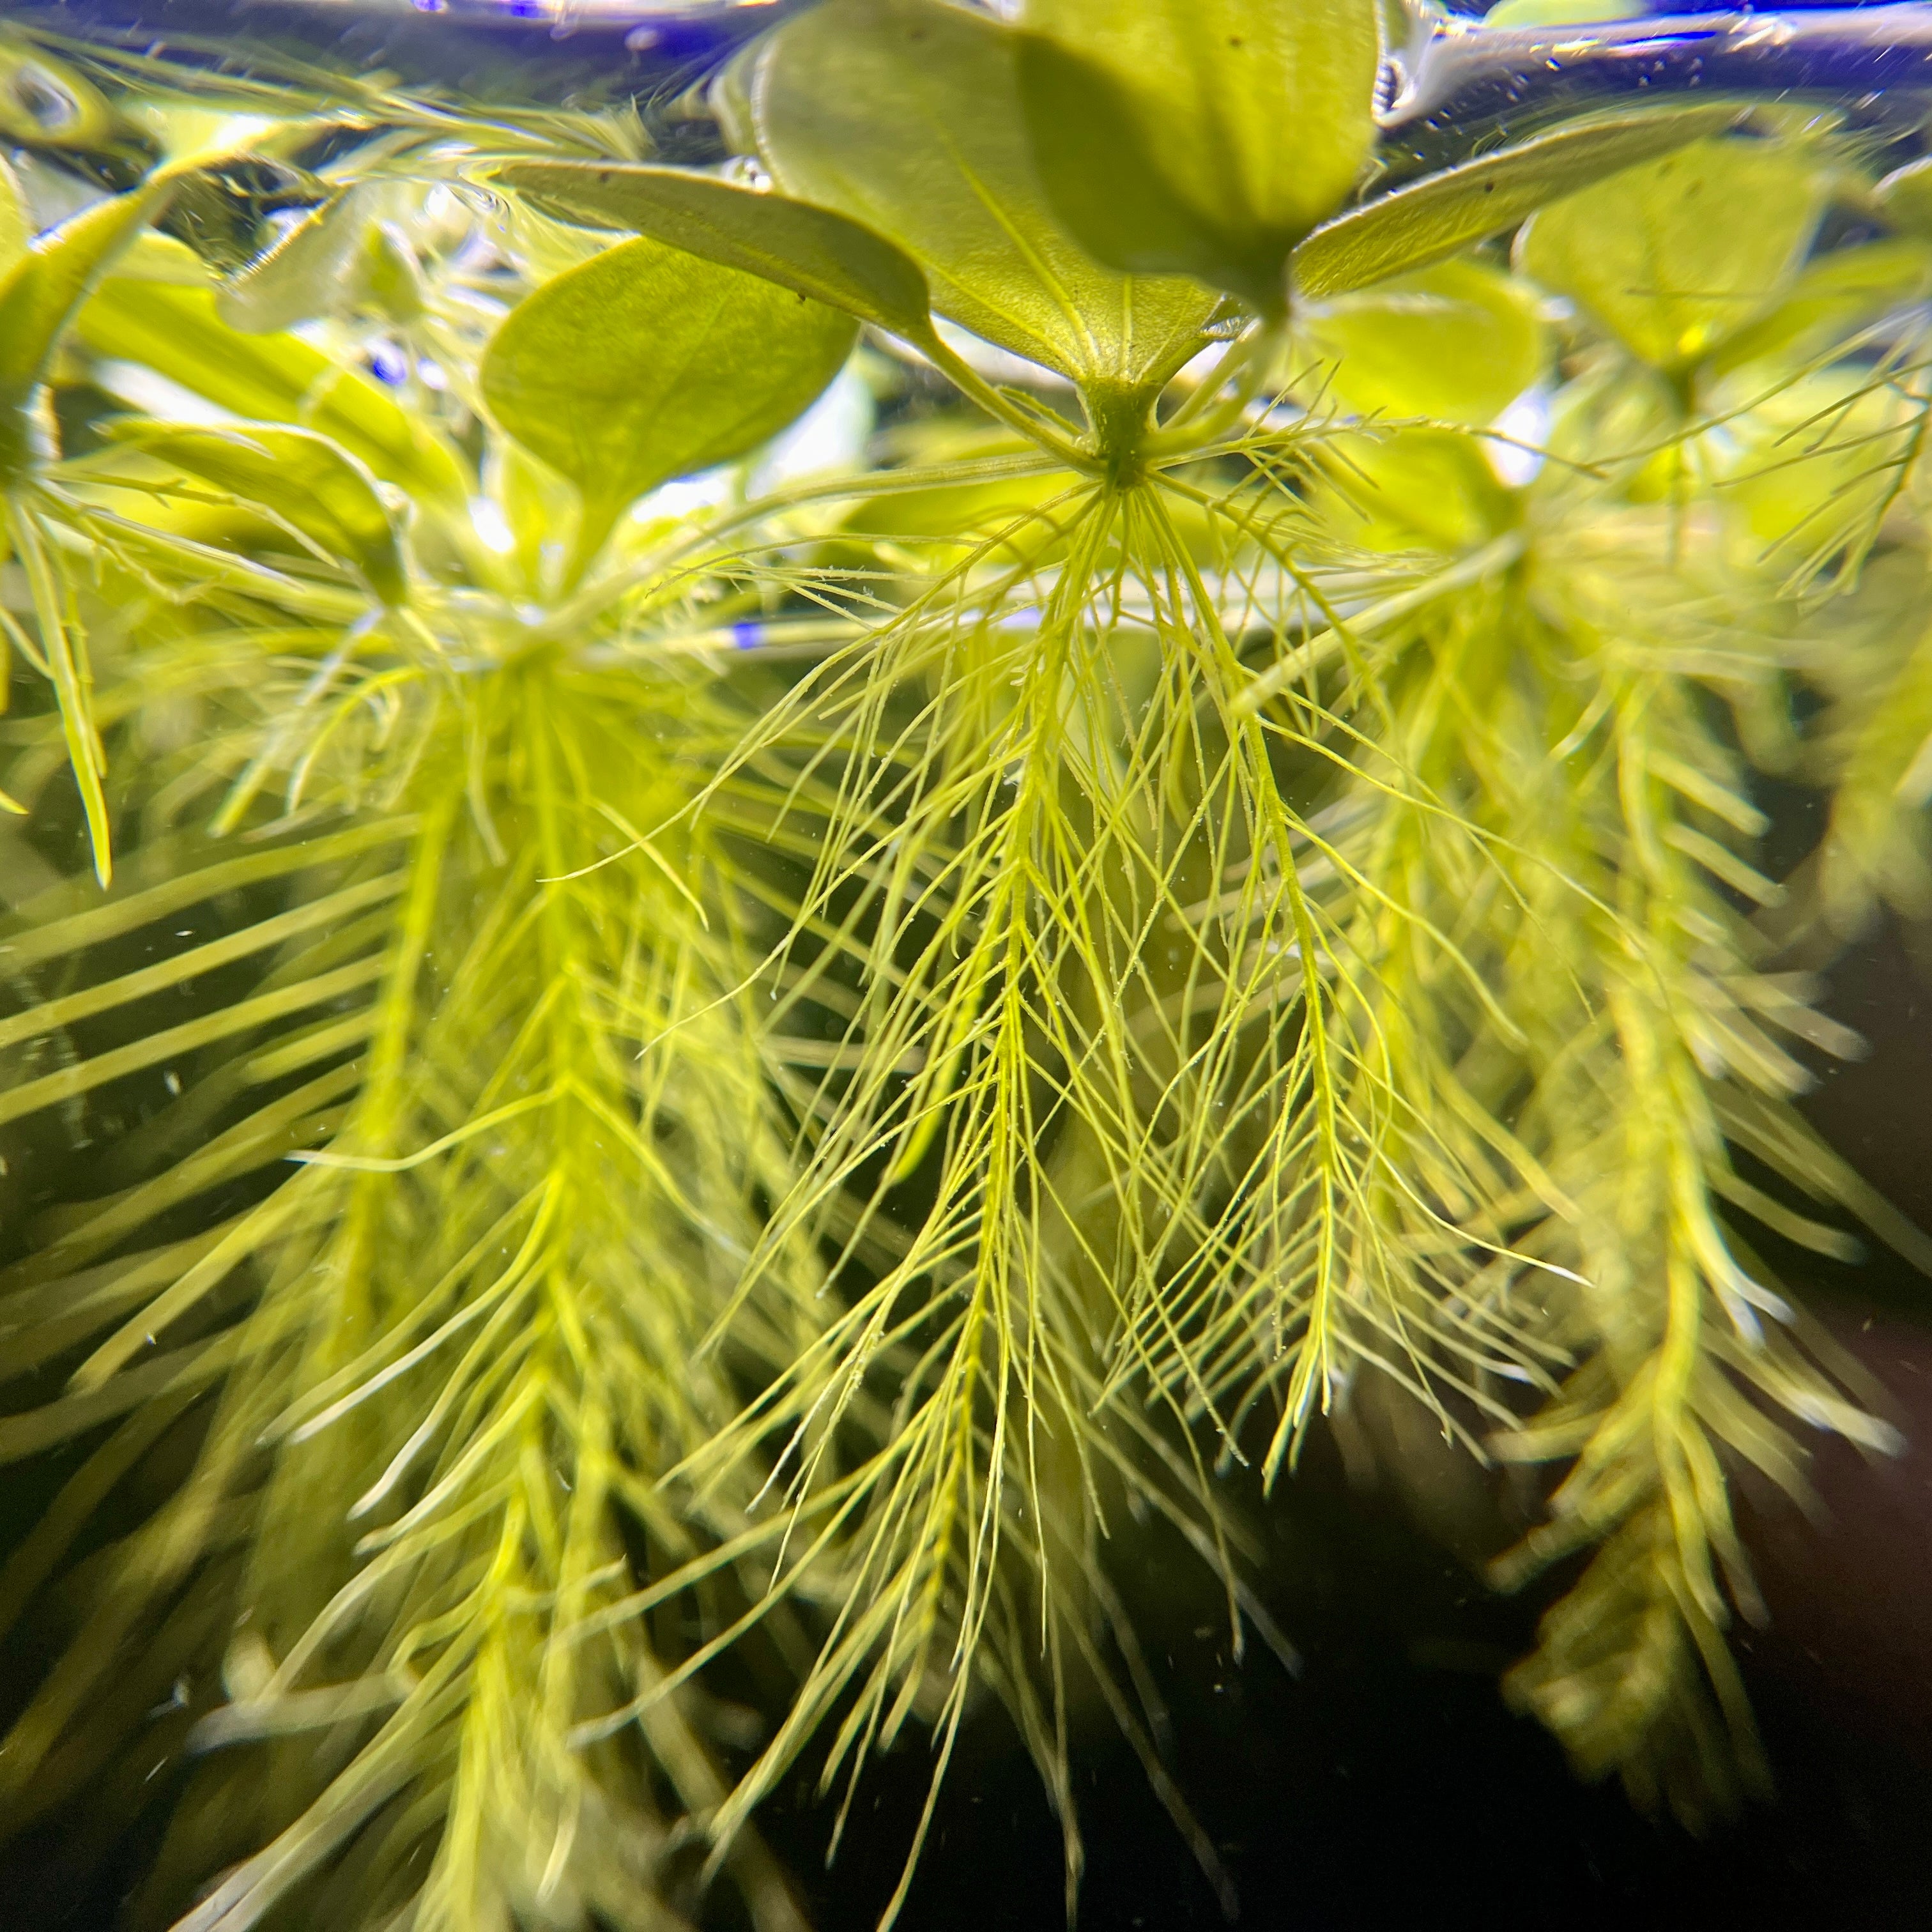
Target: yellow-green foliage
(693, 1093)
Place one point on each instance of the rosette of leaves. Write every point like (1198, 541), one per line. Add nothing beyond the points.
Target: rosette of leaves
(1143, 1021)
(416, 1040)
(1595, 701)
(652, 1187)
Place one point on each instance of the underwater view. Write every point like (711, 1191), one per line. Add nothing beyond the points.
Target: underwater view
(965, 965)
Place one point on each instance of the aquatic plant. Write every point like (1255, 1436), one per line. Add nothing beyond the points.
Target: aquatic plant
(696, 1097)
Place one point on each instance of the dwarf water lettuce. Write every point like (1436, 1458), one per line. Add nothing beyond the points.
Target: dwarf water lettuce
(706, 1064)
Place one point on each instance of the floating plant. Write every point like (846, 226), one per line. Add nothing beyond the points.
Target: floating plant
(769, 890)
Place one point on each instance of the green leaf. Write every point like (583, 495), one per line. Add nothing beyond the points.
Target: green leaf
(646, 363)
(904, 116)
(729, 98)
(811, 250)
(1810, 465)
(388, 277)
(38, 298)
(1836, 294)
(152, 257)
(16, 230)
(1419, 488)
(1675, 257)
(1200, 137)
(1097, 164)
(1904, 197)
(1561, 13)
(1459, 342)
(178, 333)
(302, 276)
(1439, 216)
(936, 528)
(303, 479)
